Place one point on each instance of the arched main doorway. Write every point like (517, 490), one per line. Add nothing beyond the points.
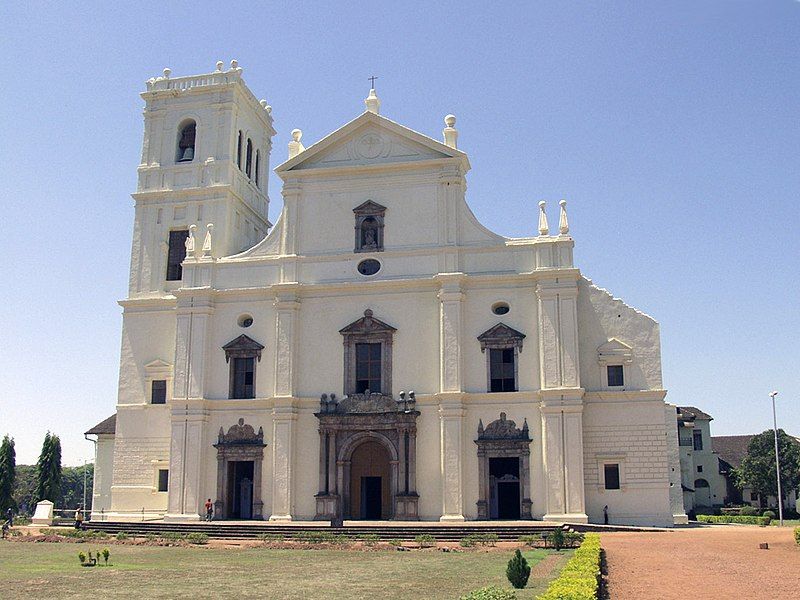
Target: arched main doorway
(370, 492)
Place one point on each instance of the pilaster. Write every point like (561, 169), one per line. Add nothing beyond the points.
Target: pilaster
(286, 307)
(558, 333)
(284, 419)
(194, 313)
(450, 327)
(451, 416)
(189, 420)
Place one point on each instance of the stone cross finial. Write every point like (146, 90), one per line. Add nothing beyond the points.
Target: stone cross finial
(450, 132)
(544, 228)
(207, 240)
(563, 224)
(220, 64)
(372, 102)
(295, 147)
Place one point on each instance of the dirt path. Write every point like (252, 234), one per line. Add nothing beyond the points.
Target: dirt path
(708, 563)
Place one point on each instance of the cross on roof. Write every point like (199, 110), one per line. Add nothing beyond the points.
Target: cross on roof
(372, 79)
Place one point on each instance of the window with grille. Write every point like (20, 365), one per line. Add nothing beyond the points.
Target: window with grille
(612, 476)
(501, 370)
(368, 367)
(697, 438)
(176, 254)
(158, 391)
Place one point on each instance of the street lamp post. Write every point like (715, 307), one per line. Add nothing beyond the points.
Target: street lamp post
(777, 458)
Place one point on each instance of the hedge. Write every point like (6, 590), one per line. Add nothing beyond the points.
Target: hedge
(797, 535)
(580, 577)
(490, 593)
(741, 520)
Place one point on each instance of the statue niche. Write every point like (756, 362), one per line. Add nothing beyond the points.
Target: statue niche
(369, 227)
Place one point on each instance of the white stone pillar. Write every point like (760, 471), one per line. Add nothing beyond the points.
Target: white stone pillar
(283, 434)
(291, 196)
(194, 315)
(451, 415)
(558, 334)
(286, 307)
(450, 332)
(189, 421)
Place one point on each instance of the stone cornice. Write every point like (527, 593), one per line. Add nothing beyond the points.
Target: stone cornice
(599, 397)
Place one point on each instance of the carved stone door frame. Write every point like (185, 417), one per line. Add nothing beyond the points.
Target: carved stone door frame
(241, 443)
(502, 439)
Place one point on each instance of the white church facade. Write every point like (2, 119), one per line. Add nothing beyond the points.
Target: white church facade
(376, 353)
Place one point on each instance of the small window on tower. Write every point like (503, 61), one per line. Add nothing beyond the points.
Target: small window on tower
(163, 480)
(186, 142)
(258, 167)
(239, 151)
(248, 165)
(176, 254)
(158, 391)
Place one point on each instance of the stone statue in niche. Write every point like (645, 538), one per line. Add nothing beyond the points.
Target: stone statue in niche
(369, 239)
(369, 227)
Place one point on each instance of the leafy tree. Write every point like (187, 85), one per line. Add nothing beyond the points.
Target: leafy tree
(8, 472)
(72, 487)
(24, 488)
(758, 467)
(48, 470)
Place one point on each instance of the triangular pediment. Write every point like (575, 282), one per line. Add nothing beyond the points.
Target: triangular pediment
(614, 349)
(367, 324)
(158, 364)
(499, 335)
(370, 139)
(242, 347)
(369, 208)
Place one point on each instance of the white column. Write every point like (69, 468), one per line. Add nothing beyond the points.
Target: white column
(450, 332)
(283, 433)
(562, 455)
(189, 424)
(291, 196)
(558, 334)
(451, 415)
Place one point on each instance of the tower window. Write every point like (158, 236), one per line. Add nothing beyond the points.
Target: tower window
(248, 167)
(616, 376)
(186, 142)
(243, 372)
(258, 166)
(176, 254)
(697, 439)
(239, 151)
(501, 368)
(158, 391)
(504, 345)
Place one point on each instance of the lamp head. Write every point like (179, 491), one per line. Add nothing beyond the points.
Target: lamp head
(773, 394)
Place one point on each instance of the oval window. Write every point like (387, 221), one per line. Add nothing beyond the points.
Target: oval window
(245, 321)
(500, 308)
(369, 266)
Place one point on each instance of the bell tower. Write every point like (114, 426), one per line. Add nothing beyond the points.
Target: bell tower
(205, 160)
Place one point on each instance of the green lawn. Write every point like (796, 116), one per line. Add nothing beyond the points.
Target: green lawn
(786, 522)
(47, 570)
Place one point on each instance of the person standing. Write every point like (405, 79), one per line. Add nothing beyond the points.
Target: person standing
(605, 514)
(209, 510)
(10, 517)
(79, 517)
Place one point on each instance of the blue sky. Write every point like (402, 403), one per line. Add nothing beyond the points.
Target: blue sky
(671, 128)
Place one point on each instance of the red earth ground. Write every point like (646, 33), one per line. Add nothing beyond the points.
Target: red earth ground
(720, 562)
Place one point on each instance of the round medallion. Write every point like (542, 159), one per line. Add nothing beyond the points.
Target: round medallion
(500, 308)
(369, 266)
(370, 145)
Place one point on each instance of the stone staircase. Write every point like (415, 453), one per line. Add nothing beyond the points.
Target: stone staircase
(387, 531)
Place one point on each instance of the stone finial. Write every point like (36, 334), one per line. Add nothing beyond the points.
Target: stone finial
(544, 228)
(563, 224)
(480, 426)
(220, 64)
(263, 103)
(372, 102)
(234, 64)
(167, 72)
(207, 240)
(190, 241)
(450, 132)
(295, 147)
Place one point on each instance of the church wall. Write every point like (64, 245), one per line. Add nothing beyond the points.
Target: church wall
(629, 431)
(306, 467)
(429, 465)
(146, 336)
(103, 473)
(601, 317)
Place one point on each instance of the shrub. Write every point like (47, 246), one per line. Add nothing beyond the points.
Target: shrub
(270, 537)
(490, 593)
(580, 577)
(315, 537)
(530, 540)
(197, 538)
(769, 513)
(740, 520)
(518, 570)
(122, 536)
(106, 554)
(368, 539)
(395, 542)
(488, 539)
(748, 511)
(556, 539)
(171, 536)
(797, 535)
(81, 557)
(425, 540)
(467, 542)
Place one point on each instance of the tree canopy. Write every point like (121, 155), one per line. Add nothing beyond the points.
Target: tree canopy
(8, 472)
(48, 470)
(757, 470)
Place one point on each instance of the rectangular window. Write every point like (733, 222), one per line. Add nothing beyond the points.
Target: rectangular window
(158, 391)
(699, 468)
(697, 436)
(615, 376)
(368, 367)
(612, 476)
(501, 370)
(163, 480)
(243, 377)
(176, 254)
